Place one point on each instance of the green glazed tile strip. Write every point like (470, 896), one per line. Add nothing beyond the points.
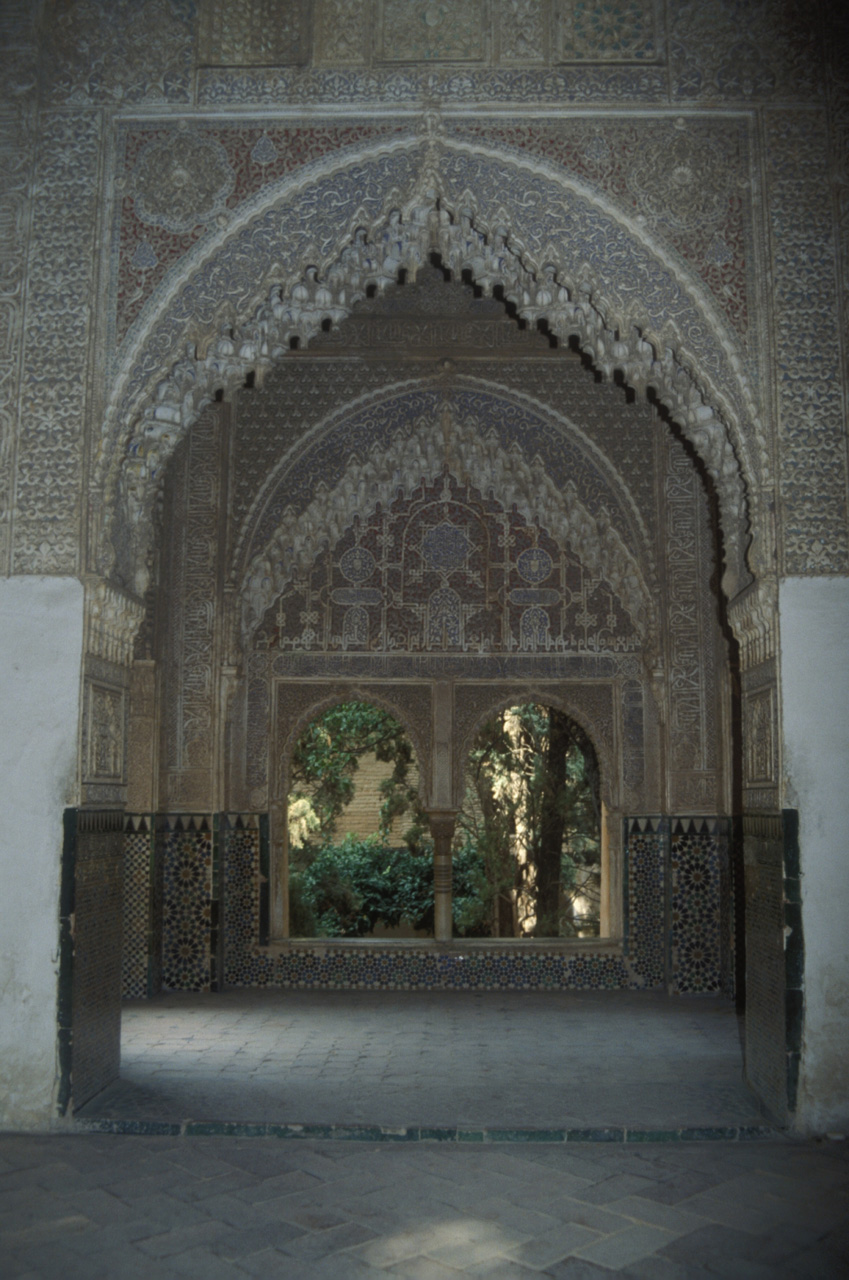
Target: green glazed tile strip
(437, 1133)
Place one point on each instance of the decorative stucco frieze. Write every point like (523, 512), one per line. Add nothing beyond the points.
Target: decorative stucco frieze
(195, 501)
(253, 32)
(15, 173)
(114, 52)
(700, 209)
(449, 434)
(654, 337)
(341, 36)
(721, 51)
(811, 407)
(522, 32)
(112, 619)
(754, 620)
(60, 286)
(18, 130)
(836, 46)
(375, 87)
(180, 181)
(430, 31)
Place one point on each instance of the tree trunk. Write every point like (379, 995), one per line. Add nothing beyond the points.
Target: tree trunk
(552, 823)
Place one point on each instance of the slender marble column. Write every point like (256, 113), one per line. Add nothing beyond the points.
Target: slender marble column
(442, 829)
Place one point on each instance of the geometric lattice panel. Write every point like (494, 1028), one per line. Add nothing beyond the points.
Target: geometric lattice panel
(420, 970)
(138, 880)
(647, 843)
(727, 918)
(695, 904)
(245, 895)
(673, 883)
(186, 850)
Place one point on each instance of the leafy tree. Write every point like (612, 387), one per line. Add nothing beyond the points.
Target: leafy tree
(344, 889)
(532, 813)
(349, 888)
(324, 763)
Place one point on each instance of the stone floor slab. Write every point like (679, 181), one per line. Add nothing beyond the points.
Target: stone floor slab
(463, 1207)
(431, 1058)
(624, 1247)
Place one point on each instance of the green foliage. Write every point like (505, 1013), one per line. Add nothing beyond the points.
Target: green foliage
(532, 816)
(349, 888)
(327, 757)
(528, 837)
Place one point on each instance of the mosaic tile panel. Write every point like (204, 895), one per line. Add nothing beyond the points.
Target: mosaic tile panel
(646, 845)
(694, 927)
(775, 957)
(429, 970)
(185, 848)
(244, 839)
(138, 904)
(727, 918)
(245, 881)
(680, 880)
(765, 962)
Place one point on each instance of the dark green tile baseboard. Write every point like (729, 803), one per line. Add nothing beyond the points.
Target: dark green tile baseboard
(380, 1133)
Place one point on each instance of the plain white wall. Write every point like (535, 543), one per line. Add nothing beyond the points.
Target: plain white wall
(814, 623)
(41, 641)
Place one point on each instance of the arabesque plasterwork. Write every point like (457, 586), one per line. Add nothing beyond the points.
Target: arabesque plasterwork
(439, 354)
(637, 346)
(470, 447)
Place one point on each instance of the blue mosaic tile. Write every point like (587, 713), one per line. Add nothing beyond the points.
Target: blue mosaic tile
(185, 844)
(646, 844)
(694, 925)
(138, 869)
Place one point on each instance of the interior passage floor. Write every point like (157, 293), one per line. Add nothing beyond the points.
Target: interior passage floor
(492, 1060)
(110, 1207)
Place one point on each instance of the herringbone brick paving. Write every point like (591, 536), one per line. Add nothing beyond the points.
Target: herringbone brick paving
(114, 1206)
(91, 1205)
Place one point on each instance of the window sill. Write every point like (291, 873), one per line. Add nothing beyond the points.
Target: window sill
(459, 947)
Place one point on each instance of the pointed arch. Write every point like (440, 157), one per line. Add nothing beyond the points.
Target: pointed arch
(393, 444)
(561, 254)
(562, 699)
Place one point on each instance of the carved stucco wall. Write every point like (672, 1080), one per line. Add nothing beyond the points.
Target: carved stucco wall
(318, 419)
(649, 340)
(124, 230)
(73, 69)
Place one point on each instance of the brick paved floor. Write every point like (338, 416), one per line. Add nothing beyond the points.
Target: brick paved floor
(90, 1206)
(493, 1059)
